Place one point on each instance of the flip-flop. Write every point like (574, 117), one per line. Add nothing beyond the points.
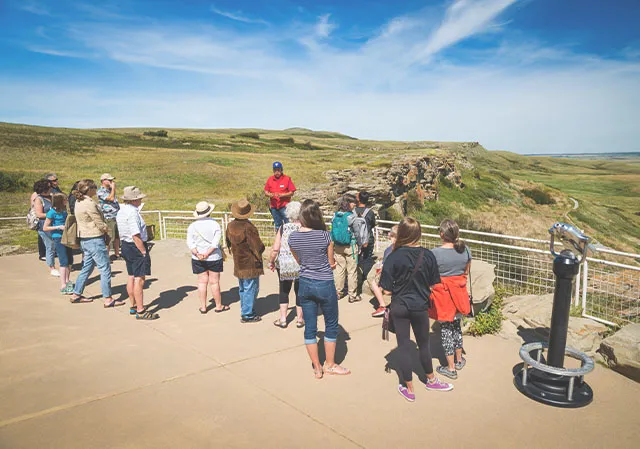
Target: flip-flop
(204, 312)
(80, 300)
(300, 324)
(224, 309)
(114, 303)
(146, 315)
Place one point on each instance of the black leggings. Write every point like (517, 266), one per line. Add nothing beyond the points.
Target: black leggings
(419, 321)
(285, 288)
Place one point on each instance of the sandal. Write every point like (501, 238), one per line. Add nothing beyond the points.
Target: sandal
(147, 316)
(318, 373)
(224, 309)
(336, 370)
(204, 312)
(280, 324)
(300, 324)
(114, 303)
(79, 300)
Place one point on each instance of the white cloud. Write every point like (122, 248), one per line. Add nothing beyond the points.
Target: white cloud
(35, 8)
(237, 16)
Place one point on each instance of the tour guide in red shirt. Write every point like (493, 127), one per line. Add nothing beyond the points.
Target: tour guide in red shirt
(280, 189)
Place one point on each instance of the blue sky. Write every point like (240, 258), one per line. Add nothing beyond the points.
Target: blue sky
(530, 76)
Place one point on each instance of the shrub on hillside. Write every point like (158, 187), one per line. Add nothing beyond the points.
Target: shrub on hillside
(159, 133)
(414, 202)
(258, 199)
(248, 135)
(539, 196)
(490, 320)
(13, 182)
(285, 141)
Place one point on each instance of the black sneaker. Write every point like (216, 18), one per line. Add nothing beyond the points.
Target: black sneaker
(444, 370)
(250, 319)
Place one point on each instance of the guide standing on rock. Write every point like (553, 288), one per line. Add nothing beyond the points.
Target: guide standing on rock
(280, 189)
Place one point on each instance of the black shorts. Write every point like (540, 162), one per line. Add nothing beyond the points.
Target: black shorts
(137, 264)
(200, 266)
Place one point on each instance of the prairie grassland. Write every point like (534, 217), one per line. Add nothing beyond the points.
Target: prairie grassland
(219, 166)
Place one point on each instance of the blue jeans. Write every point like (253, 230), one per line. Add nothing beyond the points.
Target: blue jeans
(248, 294)
(279, 217)
(315, 293)
(61, 251)
(49, 246)
(95, 253)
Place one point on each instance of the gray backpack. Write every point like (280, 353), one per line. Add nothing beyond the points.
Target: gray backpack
(360, 228)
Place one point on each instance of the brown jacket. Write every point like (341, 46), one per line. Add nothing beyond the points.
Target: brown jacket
(90, 219)
(244, 243)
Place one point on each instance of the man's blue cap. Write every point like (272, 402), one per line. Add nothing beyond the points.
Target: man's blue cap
(277, 165)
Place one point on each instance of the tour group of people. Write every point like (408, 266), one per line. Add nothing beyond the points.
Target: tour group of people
(411, 284)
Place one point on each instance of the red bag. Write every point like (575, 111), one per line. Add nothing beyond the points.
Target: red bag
(448, 297)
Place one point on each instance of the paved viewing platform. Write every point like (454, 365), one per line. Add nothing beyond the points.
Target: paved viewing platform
(81, 376)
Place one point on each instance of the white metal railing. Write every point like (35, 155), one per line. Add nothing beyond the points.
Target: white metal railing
(606, 290)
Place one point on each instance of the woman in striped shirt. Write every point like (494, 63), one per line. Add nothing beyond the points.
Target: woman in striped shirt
(313, 249)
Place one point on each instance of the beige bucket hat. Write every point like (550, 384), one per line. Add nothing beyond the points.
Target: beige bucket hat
(132, 193)
(203, 209)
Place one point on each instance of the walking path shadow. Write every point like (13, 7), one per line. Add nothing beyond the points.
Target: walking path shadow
(437, 352)
(341, 346)
(122, 289)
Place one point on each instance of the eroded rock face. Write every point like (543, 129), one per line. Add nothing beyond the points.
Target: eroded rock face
(621, 351)
(389, 187)
(530, 318)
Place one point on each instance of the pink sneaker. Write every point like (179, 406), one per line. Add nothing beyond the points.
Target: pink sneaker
(437, 385)
(404, 392)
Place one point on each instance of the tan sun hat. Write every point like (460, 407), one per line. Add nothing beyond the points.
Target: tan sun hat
(132, 193)
(242, 209)
(203, 209)
(107, 176)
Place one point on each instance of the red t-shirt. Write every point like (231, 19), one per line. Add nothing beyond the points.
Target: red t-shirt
(280, 185)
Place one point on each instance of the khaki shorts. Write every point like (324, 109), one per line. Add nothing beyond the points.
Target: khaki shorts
(113, 229)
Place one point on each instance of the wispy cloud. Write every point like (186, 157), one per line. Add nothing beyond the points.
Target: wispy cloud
(238, 16)
(35, 8)
(463, 18)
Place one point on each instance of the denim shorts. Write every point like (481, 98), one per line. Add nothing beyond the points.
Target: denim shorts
(200, 266)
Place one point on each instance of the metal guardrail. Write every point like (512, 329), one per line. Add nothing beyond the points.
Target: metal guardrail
(606, 290)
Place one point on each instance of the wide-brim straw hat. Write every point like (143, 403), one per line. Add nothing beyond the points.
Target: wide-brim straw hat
(203, 209)
(242, 209)
(132, 193)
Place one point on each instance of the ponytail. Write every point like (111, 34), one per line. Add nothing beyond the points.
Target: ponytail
(450, 233)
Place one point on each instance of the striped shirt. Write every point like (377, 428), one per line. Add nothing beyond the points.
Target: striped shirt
(310, 248)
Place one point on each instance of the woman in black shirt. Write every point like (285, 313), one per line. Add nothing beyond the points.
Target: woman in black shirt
(407, 275)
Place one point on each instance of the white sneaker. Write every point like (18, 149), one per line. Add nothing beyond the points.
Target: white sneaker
(55, 273)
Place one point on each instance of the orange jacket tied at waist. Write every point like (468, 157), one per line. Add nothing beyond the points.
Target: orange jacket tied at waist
(448, 297)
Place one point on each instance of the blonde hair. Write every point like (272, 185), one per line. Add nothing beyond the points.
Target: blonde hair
(409, 232)
(450, 233)
(292, 211)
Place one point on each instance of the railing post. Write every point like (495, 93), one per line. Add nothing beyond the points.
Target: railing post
(576, 301)
(160, 225)
(585, 285)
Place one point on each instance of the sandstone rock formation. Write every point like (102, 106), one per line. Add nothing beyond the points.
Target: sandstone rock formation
(389, 187)
(621, 351)
(482, 276)
(529, 318)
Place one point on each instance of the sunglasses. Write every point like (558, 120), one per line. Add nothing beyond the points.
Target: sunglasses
(53, 180)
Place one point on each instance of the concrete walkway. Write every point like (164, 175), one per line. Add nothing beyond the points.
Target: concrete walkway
(81, 376)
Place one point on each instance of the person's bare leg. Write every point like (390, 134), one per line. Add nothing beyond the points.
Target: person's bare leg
(64, 277)
(203, 281)
(130, 291)
(377, 293)
(116, 247)
(138, 287)
(312, 350)
(459, 354)
(451, 363)
(409, 386)
(299, 316)
(330, 351)
(214, 283)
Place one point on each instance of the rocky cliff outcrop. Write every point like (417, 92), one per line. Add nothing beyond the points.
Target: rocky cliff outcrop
(389, 187)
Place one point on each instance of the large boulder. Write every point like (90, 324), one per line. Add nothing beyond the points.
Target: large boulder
(483, 274)
(621, 351)
(530, 319)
